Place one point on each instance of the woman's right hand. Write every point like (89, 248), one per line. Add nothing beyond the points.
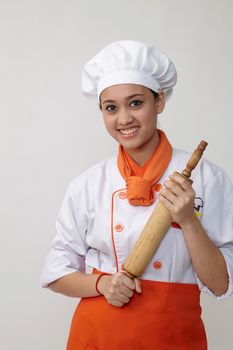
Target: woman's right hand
(119, 288)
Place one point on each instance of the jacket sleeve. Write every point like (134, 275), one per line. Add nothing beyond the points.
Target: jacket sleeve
(69, 246)
(218, 222)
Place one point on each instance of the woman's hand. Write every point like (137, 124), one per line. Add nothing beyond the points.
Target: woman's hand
(119, 288)
(178, 197)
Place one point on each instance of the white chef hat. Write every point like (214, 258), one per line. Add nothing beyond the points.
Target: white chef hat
(128, 62)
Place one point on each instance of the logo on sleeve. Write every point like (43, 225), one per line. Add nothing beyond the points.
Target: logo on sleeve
(198, 206)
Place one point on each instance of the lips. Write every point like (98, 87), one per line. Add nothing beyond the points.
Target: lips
(129, 131)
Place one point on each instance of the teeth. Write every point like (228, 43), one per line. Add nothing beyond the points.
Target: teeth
(128, 131)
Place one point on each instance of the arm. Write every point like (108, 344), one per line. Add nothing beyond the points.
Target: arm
(208, 261)
(65, 263)
(76, 285)
(117, 289)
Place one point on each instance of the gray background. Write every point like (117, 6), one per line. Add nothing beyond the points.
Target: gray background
(50, 132)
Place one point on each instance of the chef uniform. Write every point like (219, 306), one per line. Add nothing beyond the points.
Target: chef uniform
(102, 216)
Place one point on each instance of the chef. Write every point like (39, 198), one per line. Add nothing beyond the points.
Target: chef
(106, 207)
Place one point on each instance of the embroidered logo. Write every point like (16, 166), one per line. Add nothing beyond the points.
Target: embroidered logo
(198, 206)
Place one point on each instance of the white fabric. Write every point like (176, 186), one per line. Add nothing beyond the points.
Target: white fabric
(131, 62)
(94, 205)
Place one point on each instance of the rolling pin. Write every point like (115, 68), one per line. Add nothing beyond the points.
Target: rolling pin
(156, 226)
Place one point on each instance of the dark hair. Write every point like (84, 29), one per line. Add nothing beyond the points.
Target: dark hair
(155, 94)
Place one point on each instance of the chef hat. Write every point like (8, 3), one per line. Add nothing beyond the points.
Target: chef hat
(128, 62)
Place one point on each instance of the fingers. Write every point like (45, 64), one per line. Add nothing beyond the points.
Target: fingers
(128, 282)
(177, 196)
(138, 287)
(132, 284)
(118, 300)
(177, 189)
(166, 202)
(120, 289)
(181, 183)
(116, 303)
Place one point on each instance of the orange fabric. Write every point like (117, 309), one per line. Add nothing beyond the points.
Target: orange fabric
(140, 181)
(164, 316)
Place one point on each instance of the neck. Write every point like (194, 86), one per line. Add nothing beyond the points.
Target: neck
(142, 154)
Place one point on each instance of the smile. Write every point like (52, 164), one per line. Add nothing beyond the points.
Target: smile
(129, 132)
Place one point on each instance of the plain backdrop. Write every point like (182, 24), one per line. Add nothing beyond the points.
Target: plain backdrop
(50, 132)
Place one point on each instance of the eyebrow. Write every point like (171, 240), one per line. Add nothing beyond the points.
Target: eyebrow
(126, 98)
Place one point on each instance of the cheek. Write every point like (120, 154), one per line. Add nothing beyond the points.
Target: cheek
(147, 117)
(146, 113)
(109, 124)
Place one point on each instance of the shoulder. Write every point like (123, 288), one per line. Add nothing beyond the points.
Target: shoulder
(99, 169)
(95, 176)
(205, 169)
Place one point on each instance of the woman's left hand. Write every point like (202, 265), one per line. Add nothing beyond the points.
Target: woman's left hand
(177, 196)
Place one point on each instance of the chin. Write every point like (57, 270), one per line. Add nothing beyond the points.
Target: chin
(131, 147)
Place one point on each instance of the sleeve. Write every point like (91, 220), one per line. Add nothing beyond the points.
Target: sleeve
(218, 222)
(69, 246)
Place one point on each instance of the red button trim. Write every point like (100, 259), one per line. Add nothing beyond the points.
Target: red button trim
(122, 195)
(157, 265)
(119, 228)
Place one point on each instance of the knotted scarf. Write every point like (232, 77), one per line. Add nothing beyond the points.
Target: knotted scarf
(141, 182)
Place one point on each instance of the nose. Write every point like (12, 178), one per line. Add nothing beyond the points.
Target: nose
(124, 117)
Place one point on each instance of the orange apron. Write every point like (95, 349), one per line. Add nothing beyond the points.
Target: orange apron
(165, 316)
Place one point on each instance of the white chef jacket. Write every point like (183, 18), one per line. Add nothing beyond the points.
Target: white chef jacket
(97, 227)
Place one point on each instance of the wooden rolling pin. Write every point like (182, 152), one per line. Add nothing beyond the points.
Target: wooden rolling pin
(156, 227)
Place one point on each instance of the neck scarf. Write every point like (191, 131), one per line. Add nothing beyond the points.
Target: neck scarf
(141, 182)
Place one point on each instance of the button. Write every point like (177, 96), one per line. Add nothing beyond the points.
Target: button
(122, 195)
(119, 228)
(157, 265)
(157, 187)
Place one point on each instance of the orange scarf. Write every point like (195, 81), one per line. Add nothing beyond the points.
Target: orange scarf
(141, 181)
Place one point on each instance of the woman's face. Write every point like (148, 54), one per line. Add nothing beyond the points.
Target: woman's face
(130, 115)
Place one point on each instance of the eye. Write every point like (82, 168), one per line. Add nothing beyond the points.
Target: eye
(136, 103)
(110, 108)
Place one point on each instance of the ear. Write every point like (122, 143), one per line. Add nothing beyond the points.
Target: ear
(160, 102)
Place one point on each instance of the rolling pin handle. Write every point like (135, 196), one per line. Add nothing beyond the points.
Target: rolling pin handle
(196, 156)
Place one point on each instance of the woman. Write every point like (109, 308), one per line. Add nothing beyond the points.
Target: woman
(106, 208)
